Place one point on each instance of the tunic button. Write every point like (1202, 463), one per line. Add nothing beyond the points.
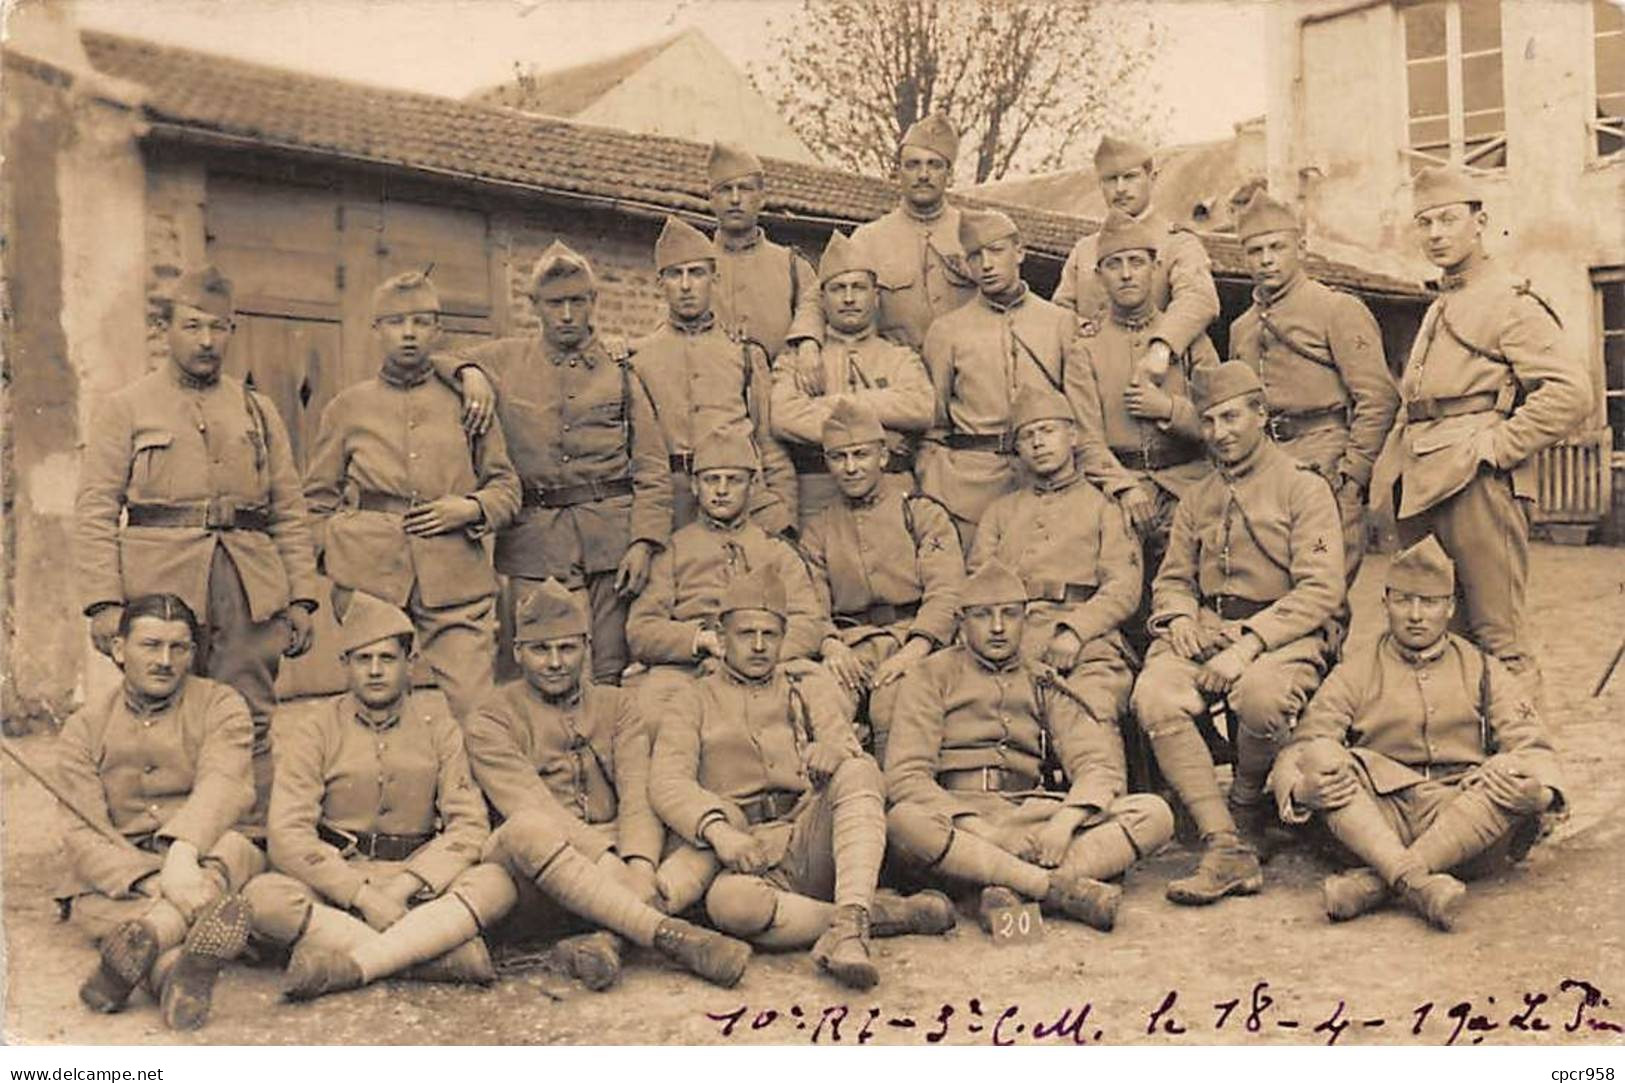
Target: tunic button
(564, 458)
(150, 768)
(566, 426)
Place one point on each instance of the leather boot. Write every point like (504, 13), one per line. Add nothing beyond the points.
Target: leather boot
(218, 935)
(1092, 902)
(994, 897)
(1228, 867)
(718, 959)
(1437, 897)
(315, 971)
(469, 963)
(592, 958)
(128, 952)
(843, 950)
(928, 913)
(1262, 829)
(1352, 893)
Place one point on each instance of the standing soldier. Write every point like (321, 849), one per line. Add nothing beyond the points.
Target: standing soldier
(1242, 610)
(590, 456)
(403, 498)
(979, 356)
(965, 772)
(1488, 385)
(160, 769)
(922, 269)
(1319, 355)
(858, 366)
(764, 769)
(700, 380)
(202, 469)
(566, 763)
(1182, 282)
(886, 564)
(376, 828)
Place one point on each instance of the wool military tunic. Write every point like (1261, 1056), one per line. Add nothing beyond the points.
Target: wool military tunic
(866, 369)
(584, 760)
(920, 268)
(766, 292)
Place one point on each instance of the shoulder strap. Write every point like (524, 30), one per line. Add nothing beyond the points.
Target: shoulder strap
(256, 422)
(1290, 343)
(1470, 347)
(1486, 736)
(1247, 525)
(1526, 289)
(1058, 384)
(800, 716)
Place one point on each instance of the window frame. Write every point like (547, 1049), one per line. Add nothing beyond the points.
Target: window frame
(1455, 95)
(1601, 277)
(1595, 126)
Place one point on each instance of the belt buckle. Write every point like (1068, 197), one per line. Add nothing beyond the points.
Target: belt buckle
(991, 777)
(220, 513)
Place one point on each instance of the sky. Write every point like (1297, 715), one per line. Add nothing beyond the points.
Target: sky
(1212, 73)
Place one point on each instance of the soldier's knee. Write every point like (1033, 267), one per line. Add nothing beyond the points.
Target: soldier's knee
(238, 860)
(918, 833)
(526, 842)
(1322, 754)
(1146, 819)
(1163, 702)
(280, 905)
(741, 905)
(1265, 702)
(488, 892)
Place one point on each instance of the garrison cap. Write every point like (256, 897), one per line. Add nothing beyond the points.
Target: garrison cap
(841, 255)
(369, 619)
(1213, 384)
(1114, 156)
(1263, 214)
(1425, 569)
(1120, 233)
(993, 584)
(728, 446)
(729, 161)
(850, 423)
(1039, 402)
(205, 288)
(1440, 185)
(409, 291)
(551, 611)
(758, 589)
(681, 243)
(559, 270)
(978, 229)
(935, 133)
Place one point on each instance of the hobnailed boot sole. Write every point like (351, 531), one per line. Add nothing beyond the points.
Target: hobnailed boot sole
(315, 971)
(994, 897)
(1442, 914)
(218, 935)
(127, 953)
(1348, 895)
(925, 913)
(593, 959)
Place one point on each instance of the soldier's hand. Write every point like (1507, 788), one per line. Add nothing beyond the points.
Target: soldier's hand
(1051, 840)
(1063, 650)
(442, 516)
(737, 850)
(1140, 507)
(1512, 788)
(640, 879)
(104, 626)
(1221, 671)
(845, 666)
(301, 630)
(809, 368)
(378, 909)
(898, 665)
(183, 882)
(401, 887)
(1148, 402)
(1018, 839)
(822, 760)
(1326, 790)
(633, 573)
(1186, 638)
(707, 643)
(1153, 364)
(479, 400)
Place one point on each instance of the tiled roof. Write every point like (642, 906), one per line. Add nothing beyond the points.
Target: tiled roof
(567, 91)
(206, 94)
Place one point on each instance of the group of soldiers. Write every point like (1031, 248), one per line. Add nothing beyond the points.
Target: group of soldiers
(887, 570)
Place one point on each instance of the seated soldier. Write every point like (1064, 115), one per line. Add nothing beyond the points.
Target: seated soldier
(763, 768)
(376, 827)
(161, 767)
(886, 562)
(566, 762)
(1069, 543)
(1420, 754)
(973, 728)
(1243, 611)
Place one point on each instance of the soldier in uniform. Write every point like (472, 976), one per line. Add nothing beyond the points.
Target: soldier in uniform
(566, 763)
(376, 828)
(1243, 612)
(763, 768)
(1422, 754)
(979, 356)
(160, 765)
(1489, 383)
(403, 498)
(590, 456)
(885, 563)
(201, 466)
(966, 775)
(858, 367)
(700, 380)
(921, 268)
(1075, 553)
(1182, 281)
(1319, 354)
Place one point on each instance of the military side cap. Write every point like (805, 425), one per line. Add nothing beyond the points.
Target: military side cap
(1038, 402)
(1425, 569)
(409, 291)
(1114, 155)
(369, 619)
(850, 423)
(1120, 233)
(730, 162)
(934, 132)
(1262, 214)
(551, 611)
(759, 589)
(1438, 186)
(1213, 384)
(993, 584)
(978, 229)
(728, 446)
(680, 243)
(206, 289)
(842, 255)
(560, 269)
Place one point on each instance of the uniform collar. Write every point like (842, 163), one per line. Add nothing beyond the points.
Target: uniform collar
(733, 676)
(1426, 656)
(402, 376)
(724, 528)
(562, 703)
(1264, 297)
(1137, 319)
(1249, 465)
(750, 241)
(559, 355)
(360, 712)
(1468, 271)
(145, 707)
(868, 501)
(1007, 666)
(1014, 300)
(923, 219)
(833, 336)
(1047, 485)
(189, 382)
(697, 326)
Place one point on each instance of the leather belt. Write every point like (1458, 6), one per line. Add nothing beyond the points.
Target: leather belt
(682, 462)
(1138, 459)
(569, 496)
(989, 779)
(1230, 607)
(389, 503)
(221, 513)
(1452, 406)
(371, 844)
(1284, 426)
(1041, 591)
(1003, 442)
(773, 805)
(879, 614)
(810, 460)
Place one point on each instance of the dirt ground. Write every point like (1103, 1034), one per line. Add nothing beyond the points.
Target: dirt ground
(1540, 957)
